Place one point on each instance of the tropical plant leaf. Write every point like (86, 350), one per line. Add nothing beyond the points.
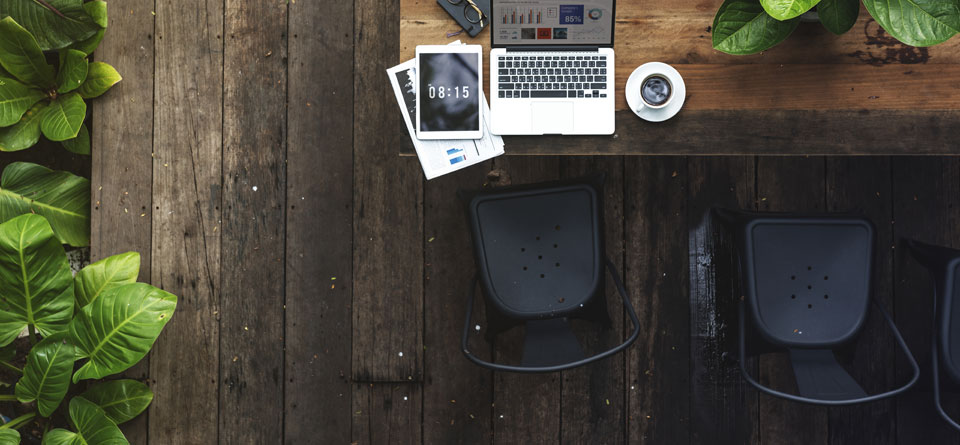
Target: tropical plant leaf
(92, 425)
(118, 328)
(15, 99)
(64, 117)
(917, 22)
(46, 377)
(21, 56)
(61, 197)
(743, 27)
(80, 144)
(35, 278)
(106, 274)
(53, 29)
(90, 45)
(838, 16)
(121, 400)
(9, 437)
(100, 78)
(787, 9)
(98, 11)
(23, 134)
(73, 70)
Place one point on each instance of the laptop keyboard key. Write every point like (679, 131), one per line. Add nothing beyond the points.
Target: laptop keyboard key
(544, 94)
(598, 86)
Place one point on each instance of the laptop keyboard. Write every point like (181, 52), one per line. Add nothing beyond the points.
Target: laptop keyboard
(536, 76)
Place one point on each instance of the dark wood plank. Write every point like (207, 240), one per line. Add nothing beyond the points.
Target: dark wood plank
(656, 276)
(186, 219)
(122, 145)
(457, 394)
(592, 398)
(252, 233)
(796, 185)
(862, 185)
(388, 219)
(386, 413)
(319, 246)
(723, 407)
(926, 193)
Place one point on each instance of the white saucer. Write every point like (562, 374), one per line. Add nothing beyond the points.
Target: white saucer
(632, 91)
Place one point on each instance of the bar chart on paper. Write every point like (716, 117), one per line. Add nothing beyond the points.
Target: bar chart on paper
(521, 15)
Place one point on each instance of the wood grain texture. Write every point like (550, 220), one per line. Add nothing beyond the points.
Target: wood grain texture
(122, 147)
(319, 237)
(186, 220)
(252, 233)
(658, 394)
(388, 219)
(386, 413)
(723, 407)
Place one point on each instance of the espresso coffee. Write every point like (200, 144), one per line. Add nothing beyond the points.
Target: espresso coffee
(655, 91)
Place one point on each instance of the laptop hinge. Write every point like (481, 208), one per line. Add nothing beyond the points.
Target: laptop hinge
(534, 48)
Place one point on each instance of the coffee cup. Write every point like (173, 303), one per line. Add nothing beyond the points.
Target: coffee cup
(656, 91)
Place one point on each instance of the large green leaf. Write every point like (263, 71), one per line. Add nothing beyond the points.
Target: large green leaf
(46, 377)
(57, 29)
(64, 117)
(92, 425)
(21, 56)
(63, 198)
(100, 78)
(743, 27)
(117, 329)
(98, 11)
(106, 274)
(15, 99)
(787, 9)
(917, 22)
(34, 277)
(121, 400)
(23, 134)
(9, 437)
(73, 70)
(80, 144)
(838, 16)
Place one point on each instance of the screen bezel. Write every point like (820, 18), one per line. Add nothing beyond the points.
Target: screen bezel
(452, 49)
(613, 32)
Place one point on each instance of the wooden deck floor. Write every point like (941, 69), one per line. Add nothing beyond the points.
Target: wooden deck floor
(250, 155)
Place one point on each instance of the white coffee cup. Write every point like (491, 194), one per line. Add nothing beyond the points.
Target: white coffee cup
(656, 91)
(666, 92)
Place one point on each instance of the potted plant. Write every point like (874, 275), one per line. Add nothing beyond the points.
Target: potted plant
(751, 26)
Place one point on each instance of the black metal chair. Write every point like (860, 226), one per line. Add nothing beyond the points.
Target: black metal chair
(943, 264)
(539, 251)
(806, 286)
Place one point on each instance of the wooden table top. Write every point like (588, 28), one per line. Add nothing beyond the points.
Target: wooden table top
(815, 93)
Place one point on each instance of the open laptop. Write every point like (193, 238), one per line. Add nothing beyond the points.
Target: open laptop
(551, 67)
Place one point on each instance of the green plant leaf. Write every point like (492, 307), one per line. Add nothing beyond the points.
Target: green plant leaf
(9, 437)
(838, 16)
(787, 9)
(46, 377)
(73, 70)
(63, 117)
(61, 197)
(743, 27)
(52, 30)
(100, 78)
(92, 425)
(15, 99)
(106, 274)
(21, 56)
(121, 400)
(917, 22)
(118, 328)
(35, 278)
(23, 134)
(98, 11)
(80, 144)
(90, 45)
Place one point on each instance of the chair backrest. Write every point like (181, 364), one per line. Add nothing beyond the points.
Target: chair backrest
(539, 248)
(944, 266)
(806, 278)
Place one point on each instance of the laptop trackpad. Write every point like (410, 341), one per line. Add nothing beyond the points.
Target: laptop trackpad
(552, 117)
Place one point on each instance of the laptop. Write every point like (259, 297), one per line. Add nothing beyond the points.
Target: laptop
(551, 67)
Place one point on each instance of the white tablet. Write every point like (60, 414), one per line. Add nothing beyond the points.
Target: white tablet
(448, 91)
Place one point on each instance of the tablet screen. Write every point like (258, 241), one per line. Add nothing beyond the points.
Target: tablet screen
(449, 92)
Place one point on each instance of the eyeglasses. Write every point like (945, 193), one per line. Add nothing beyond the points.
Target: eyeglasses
(471, 11)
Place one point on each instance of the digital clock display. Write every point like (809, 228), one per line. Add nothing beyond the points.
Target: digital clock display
(449, 92)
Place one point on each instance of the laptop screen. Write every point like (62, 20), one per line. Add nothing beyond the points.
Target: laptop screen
(552, 22)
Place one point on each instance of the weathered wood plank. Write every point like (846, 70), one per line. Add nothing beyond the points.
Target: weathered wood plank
(252, 233)
(723, 407)
(388, 220)
(656, 276)
(319, 246)
(795, 185)
(122, 141)
(386, 413)
(186, 219)
(457, 394)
